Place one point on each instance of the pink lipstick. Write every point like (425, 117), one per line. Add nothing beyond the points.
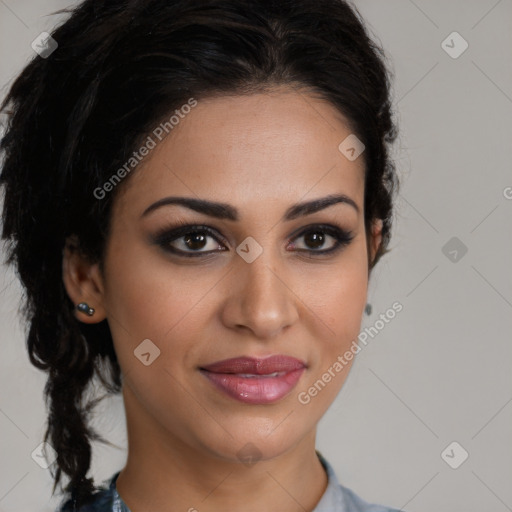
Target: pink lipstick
(253, 380)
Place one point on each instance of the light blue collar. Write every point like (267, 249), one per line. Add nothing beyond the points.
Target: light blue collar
(332, 499)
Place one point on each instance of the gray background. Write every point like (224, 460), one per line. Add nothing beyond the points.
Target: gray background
(440, 371)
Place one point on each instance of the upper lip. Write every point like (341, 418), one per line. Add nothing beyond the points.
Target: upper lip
(256, 366)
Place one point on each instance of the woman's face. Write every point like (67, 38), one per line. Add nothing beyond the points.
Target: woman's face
(250, 282)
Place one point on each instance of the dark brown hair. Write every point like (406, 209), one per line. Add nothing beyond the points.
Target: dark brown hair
(74, 118)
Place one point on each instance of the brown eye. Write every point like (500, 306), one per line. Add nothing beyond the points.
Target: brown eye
(195, 241)
(189, 241)
(315, 239)
(321, 235)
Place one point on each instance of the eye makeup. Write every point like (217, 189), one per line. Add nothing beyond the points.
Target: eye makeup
(188, 234)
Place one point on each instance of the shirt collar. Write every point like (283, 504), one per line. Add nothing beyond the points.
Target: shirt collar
(332, 499)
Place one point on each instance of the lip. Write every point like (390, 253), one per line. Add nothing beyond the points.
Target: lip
(251, 380)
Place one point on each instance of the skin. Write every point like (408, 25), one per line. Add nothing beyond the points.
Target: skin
(261, 154)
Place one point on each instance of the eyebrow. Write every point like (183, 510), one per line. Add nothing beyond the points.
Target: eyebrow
(228, 212)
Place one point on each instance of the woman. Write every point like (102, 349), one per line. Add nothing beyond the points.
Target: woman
(195, 196)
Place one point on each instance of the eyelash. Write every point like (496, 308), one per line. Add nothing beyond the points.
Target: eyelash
(166, 236)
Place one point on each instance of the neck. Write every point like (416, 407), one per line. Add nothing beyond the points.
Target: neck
(166, 474)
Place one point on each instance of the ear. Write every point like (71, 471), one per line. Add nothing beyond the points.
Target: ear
(376, 238)
(83, 282)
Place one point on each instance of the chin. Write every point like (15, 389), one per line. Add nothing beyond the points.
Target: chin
(254, 439)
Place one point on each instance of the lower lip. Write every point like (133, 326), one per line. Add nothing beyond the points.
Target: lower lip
(255, 390)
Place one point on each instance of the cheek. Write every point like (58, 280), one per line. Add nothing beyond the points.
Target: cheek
(345, 299)
(141, 305)
(337, 296)
(338, 299)
(148, 295)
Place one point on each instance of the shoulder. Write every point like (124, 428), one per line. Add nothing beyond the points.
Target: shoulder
(339, 498)
(356, 504)
(101, 501)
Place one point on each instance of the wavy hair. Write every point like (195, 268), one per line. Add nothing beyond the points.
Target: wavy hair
(74, 117)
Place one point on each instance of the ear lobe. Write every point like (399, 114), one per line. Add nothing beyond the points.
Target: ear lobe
(83, 282)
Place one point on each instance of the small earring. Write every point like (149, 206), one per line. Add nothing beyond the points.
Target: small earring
(368, 309)
(83, 307)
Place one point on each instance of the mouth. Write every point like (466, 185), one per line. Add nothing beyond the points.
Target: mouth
(255, 381)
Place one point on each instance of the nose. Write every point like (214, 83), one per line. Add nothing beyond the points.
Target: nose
(260, 300)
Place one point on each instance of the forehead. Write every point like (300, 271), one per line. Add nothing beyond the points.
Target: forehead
(280, 146)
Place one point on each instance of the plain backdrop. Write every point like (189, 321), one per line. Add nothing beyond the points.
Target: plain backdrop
(440, 372)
